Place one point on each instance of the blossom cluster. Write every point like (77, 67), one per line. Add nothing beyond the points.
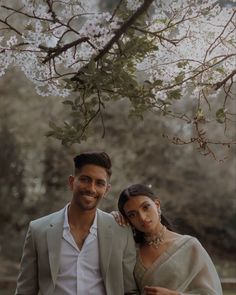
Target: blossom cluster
(41, 28)
(193, 46)
(53, 40)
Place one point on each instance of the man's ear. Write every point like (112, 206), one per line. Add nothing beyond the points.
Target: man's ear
(71, 181)
(107, 189)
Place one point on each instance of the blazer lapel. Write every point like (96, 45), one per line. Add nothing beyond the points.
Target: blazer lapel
(105, 240)
(54, 235)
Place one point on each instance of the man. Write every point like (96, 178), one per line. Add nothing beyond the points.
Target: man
(79, 249)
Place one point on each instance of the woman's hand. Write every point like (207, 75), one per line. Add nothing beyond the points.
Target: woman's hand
(119, 218)
(159, 291)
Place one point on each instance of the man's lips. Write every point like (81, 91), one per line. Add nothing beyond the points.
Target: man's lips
(86, 195)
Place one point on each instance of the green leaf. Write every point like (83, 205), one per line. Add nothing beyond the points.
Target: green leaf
(220, 70)
(174, 94)
(158, 82)
(182, 64)
(200, 116)
(50, 133)
(29, 27)
(179, 78)
(92, 66)
(53, 126)
(220, 116)
(68, 102)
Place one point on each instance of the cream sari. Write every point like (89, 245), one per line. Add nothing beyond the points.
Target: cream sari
(185, 267)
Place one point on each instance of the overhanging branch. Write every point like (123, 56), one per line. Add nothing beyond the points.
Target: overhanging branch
(54, 52)
(126, 25)
(221, 83)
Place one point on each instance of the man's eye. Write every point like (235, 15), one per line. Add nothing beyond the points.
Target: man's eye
(84, 179)
(101, 184)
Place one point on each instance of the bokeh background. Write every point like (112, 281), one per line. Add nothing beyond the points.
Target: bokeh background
(197, 192)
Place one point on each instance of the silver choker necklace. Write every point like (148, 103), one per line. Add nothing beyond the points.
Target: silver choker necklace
(156, 240)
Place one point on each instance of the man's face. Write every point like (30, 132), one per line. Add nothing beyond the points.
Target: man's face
(89, 186)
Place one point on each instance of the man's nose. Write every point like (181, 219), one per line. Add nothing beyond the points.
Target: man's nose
(92, 186)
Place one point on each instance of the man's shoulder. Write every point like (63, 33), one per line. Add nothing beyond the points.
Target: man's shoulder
(50, 218)
(109, 219)
(106, 217)
(103, 214)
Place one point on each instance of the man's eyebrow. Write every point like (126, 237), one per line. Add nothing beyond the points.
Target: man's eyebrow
(84, 175)
(96, 179)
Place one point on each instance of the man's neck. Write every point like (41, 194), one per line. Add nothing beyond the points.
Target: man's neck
(80, 218)
(80, 222)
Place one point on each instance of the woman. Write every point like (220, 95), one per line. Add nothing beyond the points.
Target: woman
(167, 263)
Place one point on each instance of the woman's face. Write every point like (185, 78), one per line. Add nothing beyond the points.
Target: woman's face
(142, 213)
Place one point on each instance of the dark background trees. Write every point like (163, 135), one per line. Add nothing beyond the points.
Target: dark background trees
(196, 191)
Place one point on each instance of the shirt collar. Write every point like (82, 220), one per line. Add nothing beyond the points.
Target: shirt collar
(93, 228)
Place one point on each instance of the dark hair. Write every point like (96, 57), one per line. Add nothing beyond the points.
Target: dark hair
(95, 158)
(134, 191)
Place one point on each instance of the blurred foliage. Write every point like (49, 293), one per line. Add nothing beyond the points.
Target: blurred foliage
(196, 192)
(12, 187)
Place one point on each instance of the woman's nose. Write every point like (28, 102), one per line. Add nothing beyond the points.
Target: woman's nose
(142, 216)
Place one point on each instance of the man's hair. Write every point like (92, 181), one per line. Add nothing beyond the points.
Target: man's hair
(95, 158)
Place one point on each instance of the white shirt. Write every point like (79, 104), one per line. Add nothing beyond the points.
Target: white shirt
(79, 270)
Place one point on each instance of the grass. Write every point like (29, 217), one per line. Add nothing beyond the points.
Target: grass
(11, 292)
(229, 292)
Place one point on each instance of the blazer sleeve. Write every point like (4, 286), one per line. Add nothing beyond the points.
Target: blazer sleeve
(129, 260)
(27, 282)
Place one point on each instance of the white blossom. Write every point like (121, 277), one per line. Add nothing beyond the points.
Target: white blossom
(133, 4)
(184, 34)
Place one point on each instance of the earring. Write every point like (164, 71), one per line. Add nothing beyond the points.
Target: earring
(159, 212)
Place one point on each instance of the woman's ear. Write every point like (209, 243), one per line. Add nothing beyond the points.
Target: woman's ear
(158, 203)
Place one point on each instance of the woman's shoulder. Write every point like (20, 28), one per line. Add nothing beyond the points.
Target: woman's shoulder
(191, 240)
(182, 240)
(178, 238)
(191, 244)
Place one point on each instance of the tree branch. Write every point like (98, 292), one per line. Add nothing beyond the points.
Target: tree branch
(221, 83)
(118, 33)
(10, 27)
(57, 51)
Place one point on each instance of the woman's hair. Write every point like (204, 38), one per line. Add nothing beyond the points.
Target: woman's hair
(133, 191)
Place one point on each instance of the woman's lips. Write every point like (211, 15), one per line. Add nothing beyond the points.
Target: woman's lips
(146, 224)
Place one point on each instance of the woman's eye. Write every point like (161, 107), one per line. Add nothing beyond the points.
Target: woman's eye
(131, 215)
(146, 207)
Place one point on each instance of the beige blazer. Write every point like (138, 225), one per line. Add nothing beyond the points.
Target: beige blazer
(41, 255)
